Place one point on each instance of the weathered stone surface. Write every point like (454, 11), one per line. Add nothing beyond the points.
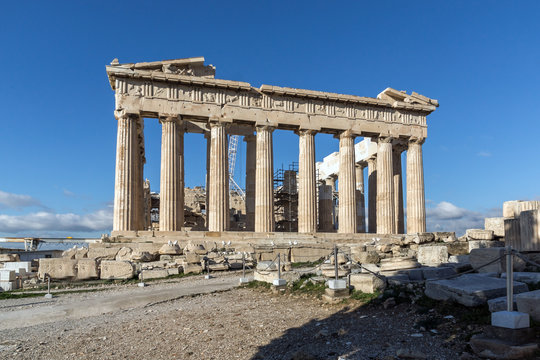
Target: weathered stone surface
(341, 259)
(368, 268)
(529, 228)
(479, 234)
(367, 283)
(500, 349)
(75, 253)
(431, 273)
(219, 267)
(87, 269)
(398, 264)
(142, 256)
(8, 285)
(499, 304)
(124, 254)
(511, 208)
(432, 255)
(483, 244)
(529, 302)
(531, 278)
(457, 248)
(111, 269)
(459, 259)
(446, 236)
(192, 258)
(104, 253)
(154, 274)
(18, 265)
(171, 248)
(192, 268)
(59, 268)
(496, 225)
(479, 257)
(270, 276)
(470, 289)
(512, 233)
(9, 257)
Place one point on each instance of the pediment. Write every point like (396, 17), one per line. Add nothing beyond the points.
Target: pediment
(188, 67)
(393, 95)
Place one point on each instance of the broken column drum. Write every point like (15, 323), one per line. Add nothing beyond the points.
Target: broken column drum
(187, 98)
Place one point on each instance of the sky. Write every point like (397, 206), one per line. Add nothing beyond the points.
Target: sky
(58, 131)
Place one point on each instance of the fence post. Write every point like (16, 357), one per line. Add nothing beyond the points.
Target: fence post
(279, 265)
(335, 261)
(509, 279)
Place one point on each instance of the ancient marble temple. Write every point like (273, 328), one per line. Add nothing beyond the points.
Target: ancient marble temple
(185, 96)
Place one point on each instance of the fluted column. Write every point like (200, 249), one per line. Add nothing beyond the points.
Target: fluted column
(251, 164)
(347, 184)
(171, 195)
(307, 191)
(264, 183)
(124, 185)
(398, 190)
(139, 161)
(372, 195)
(386, 221)
(331, 181)
(416, 204)
(360, 199)
(207, 187)
(218, 206)
(325, 207)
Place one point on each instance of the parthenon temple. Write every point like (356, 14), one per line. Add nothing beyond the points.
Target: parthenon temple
(187, 98)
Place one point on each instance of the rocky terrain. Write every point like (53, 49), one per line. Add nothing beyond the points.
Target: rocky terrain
(245, 323)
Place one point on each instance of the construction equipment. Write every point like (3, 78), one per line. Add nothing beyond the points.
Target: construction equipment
(233, 149)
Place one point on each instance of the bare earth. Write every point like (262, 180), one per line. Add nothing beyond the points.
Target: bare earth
(229, 324)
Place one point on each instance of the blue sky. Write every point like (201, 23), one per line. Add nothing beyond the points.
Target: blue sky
(478, 58)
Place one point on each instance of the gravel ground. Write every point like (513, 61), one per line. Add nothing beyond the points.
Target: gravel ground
(237, 324)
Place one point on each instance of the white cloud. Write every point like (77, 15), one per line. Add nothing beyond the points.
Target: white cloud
(44, 221)
(17, 201)
(446, 216)
(484, 154)
(68, 193)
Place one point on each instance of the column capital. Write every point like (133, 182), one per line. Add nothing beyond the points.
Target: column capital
(122, 114)
(345, 134)
(305, 132)
(265, 127)
(372, 159)
(416, 140)
(216, 123)
(362, 164)
(384, 139)
(169, 118)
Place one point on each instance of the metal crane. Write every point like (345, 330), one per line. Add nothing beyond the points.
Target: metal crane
(233, 149)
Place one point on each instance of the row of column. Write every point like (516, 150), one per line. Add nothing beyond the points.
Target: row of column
(385, 208)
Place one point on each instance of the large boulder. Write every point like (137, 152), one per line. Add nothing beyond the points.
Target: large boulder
(170, 248)
(111, 269)
(366, 257)
(124, 254)
(195, 248)
(470, 289)
(9, 257)
(393, 264)
(496, 224)
(102, 253)
(368, 283)
(57, 268)
(479, 234)
(432, 255)
(529, 302)
(480, 257)
(142, 256)
(87, 269)
(308, 253)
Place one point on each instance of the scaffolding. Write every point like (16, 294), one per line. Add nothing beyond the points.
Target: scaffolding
(286, 198)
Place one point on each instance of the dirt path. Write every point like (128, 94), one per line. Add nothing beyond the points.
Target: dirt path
(236, 324)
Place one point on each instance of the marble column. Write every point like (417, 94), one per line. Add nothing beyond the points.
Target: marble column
(416, 204)
(125, 178)
(218, 205)
(331, 181)
(251, 164)
(207, 187)
(171, 195)
(360, 198)
(386, 221)
(307, 183)
(140, 160)
(326, 206)
(372, 195)
(398, 190)
(264, 182)
(347, 184)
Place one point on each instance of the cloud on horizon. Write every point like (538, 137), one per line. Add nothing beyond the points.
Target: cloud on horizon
(18, 201)
(446, 216)
(47, 221)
